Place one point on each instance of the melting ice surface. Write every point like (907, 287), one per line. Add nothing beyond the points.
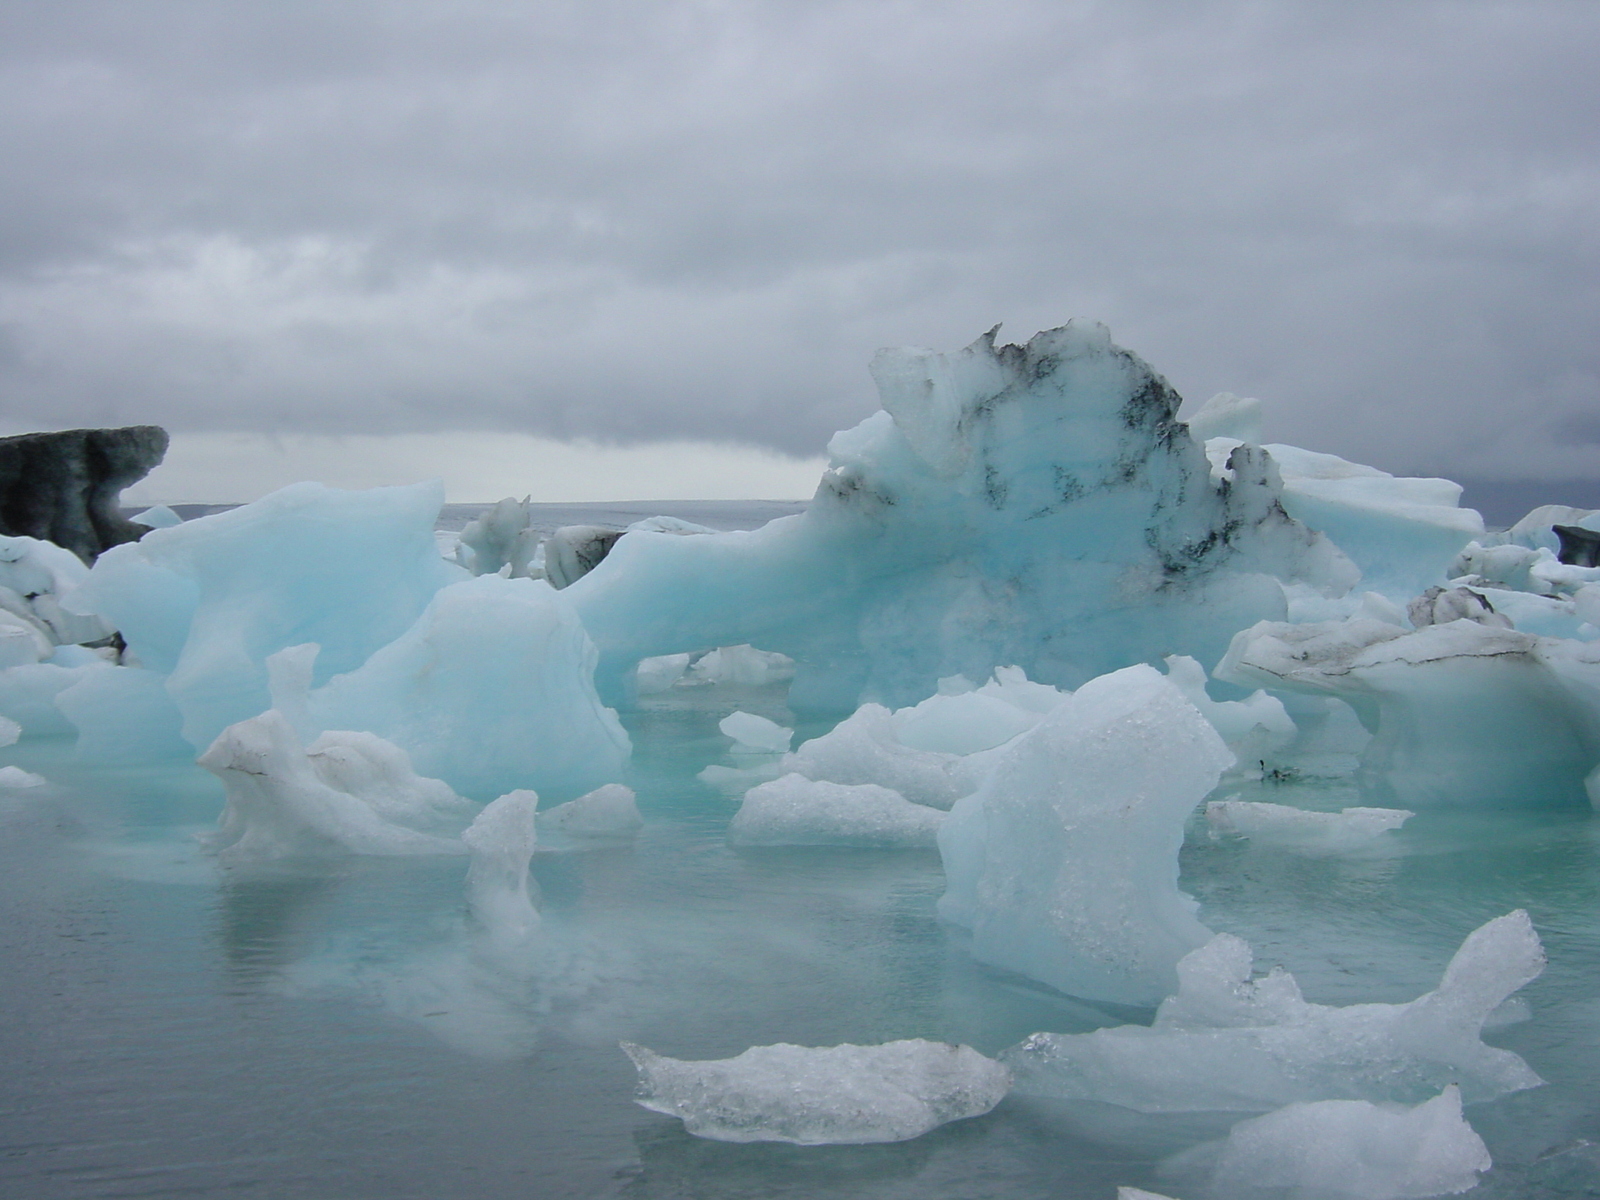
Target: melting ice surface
(465, 830)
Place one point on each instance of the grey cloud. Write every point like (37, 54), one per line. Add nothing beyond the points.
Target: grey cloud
(693, 218)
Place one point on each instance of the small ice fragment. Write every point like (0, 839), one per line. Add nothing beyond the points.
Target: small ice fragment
(823, 1095)
(744, 665)
(1356, 1149)
(756, 735)
(1128, 1193)
(10, 731)
(502, 839)
(608, 812)
(1306, 832)
(659, 674)
(16, 777)
(796, 811)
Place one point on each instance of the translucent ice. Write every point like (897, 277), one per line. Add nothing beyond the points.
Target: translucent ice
(1035, 505)
(754, 734)
(380, 775)
(500, 539)
(1461, 713)
(491, 689)
(824, 1095)
(16, 777)
(1307, 832)
(206, 602)
(796, 811)
(1227, 1042)
(866, 748)
(1253, 727)
(1402, 532)
(607, 812)
(10, 731)
(1065, 862)
(502, 839)
(278, 805)
(1355, 1149)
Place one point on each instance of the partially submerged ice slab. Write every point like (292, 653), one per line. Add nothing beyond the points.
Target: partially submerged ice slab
(1037, 505)
(1303, 831)
(1461, 713)
(1350, 1148)
(822, 1095)
(1064, 864)
(1226, 1042)
(796, 811)
(279, 806)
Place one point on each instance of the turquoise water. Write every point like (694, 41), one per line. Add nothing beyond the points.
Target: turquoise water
(323, 1029)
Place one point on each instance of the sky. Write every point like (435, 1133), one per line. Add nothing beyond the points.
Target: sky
(603, 245)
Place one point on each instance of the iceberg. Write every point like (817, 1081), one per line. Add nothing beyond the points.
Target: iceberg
(491, 690)
(205, 603)
(278, 806)
(1064, 864)
(1226, 1042)
(1035, 505)
(1466, 712)
(796, 811)
(1351, 1148)
(823, 1095)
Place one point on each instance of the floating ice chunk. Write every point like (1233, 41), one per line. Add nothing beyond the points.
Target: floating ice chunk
(1306, 832)
(865, 748)
(1355, 1149)
(607, 812)
(498, 539)
(502, 839)
(206, 602)
(490, 690)
(1227, 1042)
(10, 731)
(796, 811)
(1462, 713)
(665, 524)
(1065, 863)
(661, 673)
(739, 779)
(742, 665)
(753, 734)
(16, 777)
(158, 516)
(823, 1095)
(572, 551)
(277, 806)
(380, 774)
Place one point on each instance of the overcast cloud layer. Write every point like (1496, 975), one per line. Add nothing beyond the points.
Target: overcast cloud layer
(694, 219)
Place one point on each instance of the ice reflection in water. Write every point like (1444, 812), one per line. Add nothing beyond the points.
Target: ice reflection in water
(335, 1028)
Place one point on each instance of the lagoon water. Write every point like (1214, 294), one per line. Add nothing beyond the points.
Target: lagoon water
(325, 1029)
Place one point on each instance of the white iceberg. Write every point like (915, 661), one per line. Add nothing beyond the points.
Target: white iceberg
(1065, 863)
(753, 734)
(1307, 832)
(1354, 1149)
(611, 811)
(823, 1095)
(796, 811)
(1226, 1042)
(278, 806)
